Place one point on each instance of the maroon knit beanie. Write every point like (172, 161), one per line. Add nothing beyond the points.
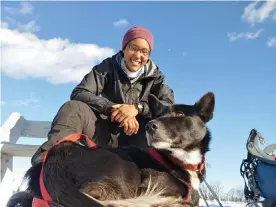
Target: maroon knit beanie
(138, 32)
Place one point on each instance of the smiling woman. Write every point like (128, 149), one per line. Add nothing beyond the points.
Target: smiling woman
(133, 60)
(110, 104)
(137, 44)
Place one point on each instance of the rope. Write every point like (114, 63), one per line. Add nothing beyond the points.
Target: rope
(204, 197)
(213, 193)
(211, 190)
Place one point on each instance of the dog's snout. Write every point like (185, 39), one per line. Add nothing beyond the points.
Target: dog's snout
(152, 126)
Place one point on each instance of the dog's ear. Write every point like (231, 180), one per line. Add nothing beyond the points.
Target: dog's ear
(205, 106)
(158, 108)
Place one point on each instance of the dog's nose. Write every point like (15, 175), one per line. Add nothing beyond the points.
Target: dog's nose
(151, 126)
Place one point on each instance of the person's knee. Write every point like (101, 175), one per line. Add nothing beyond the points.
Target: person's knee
(76, 105)
(74, 114)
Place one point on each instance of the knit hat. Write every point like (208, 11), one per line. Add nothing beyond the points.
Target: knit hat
(138, 32)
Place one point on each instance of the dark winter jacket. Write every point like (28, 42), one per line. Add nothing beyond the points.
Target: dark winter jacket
(106, 84)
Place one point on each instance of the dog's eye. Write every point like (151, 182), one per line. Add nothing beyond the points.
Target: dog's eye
(179, 114)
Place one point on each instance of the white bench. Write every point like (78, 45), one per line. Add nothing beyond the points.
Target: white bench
(15, 127)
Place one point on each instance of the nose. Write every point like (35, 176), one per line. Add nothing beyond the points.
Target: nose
(138, 54)
(152, 126)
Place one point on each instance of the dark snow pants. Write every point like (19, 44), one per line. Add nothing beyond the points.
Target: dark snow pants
(78, 117)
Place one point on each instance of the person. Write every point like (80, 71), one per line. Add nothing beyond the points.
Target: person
(110, 104)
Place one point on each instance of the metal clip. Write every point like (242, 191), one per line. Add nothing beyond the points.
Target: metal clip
(114, 140)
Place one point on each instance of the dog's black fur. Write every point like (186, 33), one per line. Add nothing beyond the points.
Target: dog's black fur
(73, 171)
(20, 199)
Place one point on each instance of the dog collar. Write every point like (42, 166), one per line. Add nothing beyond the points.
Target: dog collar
(197, 167)
(193, 167)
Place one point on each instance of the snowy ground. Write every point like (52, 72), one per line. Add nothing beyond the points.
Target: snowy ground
(224, 204)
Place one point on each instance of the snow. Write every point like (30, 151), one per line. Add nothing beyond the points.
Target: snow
(224, 204)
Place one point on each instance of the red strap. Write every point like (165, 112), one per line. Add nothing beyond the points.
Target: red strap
(78, 137)
(156, 155)
(73, 138)
(44, 193)
(39, 203)
(198, 167)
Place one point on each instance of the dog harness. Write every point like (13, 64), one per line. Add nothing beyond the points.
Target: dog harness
(197, 167)
(46, 198)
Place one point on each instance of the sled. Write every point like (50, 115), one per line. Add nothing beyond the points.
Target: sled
(259, 170)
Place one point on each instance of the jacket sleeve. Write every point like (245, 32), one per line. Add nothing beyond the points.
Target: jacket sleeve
(162, 91)
(90, 88)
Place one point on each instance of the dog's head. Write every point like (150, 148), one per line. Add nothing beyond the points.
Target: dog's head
(179, 126)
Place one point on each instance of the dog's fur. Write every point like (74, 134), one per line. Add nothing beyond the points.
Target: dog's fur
(76, 176)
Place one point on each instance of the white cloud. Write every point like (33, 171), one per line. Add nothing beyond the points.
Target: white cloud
(3, 102)
(30, 100)
(57, 60)
(256, 13)
(10, 20)
(4, 25)
(244, 35)
(120, 23)
(25, 8)
(29, 27)
(271, 42)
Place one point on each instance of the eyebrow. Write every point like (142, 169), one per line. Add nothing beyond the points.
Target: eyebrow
(139, 47)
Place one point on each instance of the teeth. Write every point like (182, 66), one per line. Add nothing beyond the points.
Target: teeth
(135, 61)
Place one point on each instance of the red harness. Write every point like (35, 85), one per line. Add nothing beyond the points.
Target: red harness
(46, 198)
(198, 167)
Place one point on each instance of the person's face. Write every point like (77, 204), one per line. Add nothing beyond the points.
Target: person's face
(136, 54)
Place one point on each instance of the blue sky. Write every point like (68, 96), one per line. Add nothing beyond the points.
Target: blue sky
(225, 47)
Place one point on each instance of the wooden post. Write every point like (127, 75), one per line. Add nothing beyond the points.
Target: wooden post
(9, 133)
(15, 127)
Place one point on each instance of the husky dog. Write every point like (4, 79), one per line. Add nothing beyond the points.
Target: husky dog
(167, 174)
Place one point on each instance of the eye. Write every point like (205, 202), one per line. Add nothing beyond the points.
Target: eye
(145, 52)
(133, 48)
(179, 114)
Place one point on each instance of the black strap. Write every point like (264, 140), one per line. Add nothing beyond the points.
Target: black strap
(248, 172)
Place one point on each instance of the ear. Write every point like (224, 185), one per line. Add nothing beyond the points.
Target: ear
(205, 106)
(157, 108)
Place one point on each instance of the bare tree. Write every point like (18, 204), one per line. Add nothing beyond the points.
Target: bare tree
(217, 188)
(240, 194)
(235, 194)
(205, 191)
(230, 195)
